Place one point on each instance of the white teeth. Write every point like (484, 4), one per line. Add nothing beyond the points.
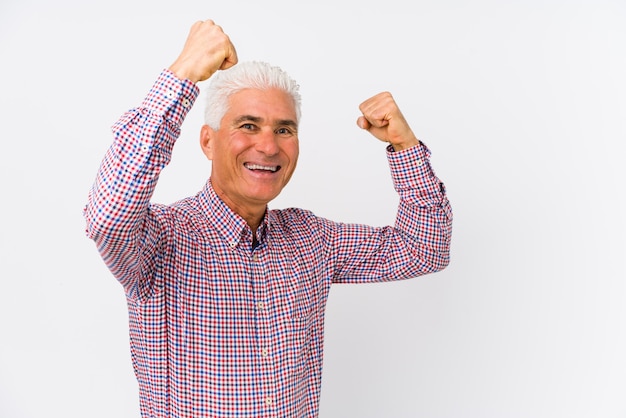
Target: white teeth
(261, 167)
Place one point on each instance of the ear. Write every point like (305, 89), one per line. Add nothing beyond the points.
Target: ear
(207, 135)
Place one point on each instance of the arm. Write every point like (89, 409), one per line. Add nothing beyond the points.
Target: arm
(118, 212)
(419, 242)
(118, 204)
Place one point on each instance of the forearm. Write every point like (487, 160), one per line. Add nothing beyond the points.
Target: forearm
(424, 215)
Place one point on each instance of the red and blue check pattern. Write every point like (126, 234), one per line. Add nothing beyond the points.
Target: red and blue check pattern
(219, 328)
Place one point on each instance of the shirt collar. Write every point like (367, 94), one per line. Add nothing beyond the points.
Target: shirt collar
(231, 227)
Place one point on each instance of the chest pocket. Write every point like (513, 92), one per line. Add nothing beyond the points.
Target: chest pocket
(301, 289)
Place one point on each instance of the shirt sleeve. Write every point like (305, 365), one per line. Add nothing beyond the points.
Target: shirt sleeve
(419, 241)
(118, 205)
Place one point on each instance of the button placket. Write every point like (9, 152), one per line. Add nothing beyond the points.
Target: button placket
(263, 320)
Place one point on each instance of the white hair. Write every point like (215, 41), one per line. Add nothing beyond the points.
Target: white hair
(246, 75)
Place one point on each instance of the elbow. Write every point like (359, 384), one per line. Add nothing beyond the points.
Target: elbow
(435, 259)
(438, 262)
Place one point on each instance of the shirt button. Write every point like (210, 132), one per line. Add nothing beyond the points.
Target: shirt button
(264, 352)
(255, 257)
(186, 103)
(171, 94)
(419, 163)
(260, 306)
(268, 401)
(232, 244)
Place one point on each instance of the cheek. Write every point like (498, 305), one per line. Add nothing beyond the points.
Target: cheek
(229, 150)
(293, 151)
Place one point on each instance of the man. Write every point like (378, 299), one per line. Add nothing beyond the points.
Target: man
(226, 298)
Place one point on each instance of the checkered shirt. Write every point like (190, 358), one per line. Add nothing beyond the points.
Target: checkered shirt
(219, 328)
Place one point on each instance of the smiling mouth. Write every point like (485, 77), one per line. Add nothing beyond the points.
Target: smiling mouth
(258, 167)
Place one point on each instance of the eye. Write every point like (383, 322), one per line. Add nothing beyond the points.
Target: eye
(284, 131)
(247, 126)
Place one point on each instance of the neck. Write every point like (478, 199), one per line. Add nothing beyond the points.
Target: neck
(252, 214)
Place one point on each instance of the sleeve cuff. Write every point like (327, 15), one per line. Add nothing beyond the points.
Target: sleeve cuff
(171, 97)
(411, 171)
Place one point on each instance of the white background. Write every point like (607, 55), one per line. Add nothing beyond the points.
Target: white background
(523, 105)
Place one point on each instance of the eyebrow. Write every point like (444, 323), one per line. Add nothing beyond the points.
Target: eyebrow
(288, 122)
(257, 119)
(244, 118)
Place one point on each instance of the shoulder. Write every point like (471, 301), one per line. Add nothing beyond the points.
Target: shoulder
(292, 221)
(292, 217)
(182, 212)
(300, 223)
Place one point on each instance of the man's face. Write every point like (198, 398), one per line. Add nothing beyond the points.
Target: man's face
(255, 151)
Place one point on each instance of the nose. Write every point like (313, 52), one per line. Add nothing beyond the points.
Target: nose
(267, 143)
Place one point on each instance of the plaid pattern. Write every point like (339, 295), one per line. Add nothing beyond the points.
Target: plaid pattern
(219, 328)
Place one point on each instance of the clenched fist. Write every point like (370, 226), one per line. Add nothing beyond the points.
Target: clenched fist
(207, 49)
(383, 119)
